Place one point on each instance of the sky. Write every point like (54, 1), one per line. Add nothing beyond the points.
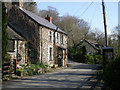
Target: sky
(93, 15)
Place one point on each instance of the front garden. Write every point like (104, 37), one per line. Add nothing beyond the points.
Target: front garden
(31, 69)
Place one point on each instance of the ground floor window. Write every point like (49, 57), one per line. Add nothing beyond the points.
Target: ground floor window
(50, 53)
(11, 46)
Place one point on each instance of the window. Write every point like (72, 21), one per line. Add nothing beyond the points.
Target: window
(50, 53)
(11, 45)
(57, 37)
(62, 39)
(50, 36)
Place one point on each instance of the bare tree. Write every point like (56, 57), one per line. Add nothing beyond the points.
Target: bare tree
(115, 40)
(77, 29)
(96, 36)
(30, 6)
(51, 11)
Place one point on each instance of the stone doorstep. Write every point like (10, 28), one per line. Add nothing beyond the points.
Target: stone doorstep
(97, 88)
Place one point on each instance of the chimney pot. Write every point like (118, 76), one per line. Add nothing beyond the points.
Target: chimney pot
(18, 3)
(49, 18)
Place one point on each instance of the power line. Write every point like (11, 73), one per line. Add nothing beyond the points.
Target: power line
(78, 10)
(93, 15)
(86, 9)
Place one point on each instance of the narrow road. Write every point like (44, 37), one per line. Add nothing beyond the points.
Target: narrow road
(77, 76)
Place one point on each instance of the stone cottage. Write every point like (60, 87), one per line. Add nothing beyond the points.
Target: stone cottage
(17, 46)
(47, 42)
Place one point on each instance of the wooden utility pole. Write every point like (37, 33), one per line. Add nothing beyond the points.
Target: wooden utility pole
(105, 26)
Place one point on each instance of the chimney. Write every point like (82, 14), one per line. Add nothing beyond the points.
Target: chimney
(17, 3)
(20, 3)
(49, 18)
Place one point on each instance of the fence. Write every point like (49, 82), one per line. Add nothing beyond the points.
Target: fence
(9, 68)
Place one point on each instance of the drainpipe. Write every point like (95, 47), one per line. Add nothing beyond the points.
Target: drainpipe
(54, 46)
(41, 42)
(17, 51)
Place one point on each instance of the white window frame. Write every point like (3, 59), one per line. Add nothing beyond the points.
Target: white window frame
(62, 39)
(51, 40)
(49, 53)
(58, 38)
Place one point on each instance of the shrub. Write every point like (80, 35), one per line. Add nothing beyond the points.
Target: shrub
(112, 74)
(30, 72)
(90, 59)
(32, 69)
(19, 71)
(98, 59)
(94, 59)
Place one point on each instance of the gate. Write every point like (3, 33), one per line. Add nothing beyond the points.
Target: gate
(9, 68)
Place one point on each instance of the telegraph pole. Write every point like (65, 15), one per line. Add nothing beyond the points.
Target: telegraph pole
(105, 26)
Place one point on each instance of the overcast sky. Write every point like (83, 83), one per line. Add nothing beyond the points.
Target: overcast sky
(90, 12)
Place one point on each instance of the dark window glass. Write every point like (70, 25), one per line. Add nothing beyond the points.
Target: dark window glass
(11, 45)
(50, 53)
(62, 39)
(50, 36)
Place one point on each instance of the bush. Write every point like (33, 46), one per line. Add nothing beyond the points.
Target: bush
(94, 59)
(112, 74)
(98, 59)
(90, 59)
(32, 69)
(30, 72)
(19, 72)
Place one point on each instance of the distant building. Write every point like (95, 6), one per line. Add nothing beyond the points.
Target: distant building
(91, 47)
(45, 40)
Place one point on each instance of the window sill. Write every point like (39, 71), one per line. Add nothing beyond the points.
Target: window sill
(11, 51)
(50, 60)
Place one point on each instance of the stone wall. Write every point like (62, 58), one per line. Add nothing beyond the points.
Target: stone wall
(28, 29)
(22, 51)
(46, 44)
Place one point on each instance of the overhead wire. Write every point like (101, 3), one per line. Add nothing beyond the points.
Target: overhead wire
(86, 9)
(93, 15)
(79, 9)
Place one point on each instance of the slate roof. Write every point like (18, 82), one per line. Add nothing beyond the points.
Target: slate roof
(87, 41)
(13, 35)
(42, 21)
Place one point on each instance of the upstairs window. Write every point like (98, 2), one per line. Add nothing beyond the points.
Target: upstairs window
(11, 46)
(62, 39)
(50, 36)
(57, 37)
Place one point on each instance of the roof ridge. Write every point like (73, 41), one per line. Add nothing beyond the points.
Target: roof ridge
(41, 20)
